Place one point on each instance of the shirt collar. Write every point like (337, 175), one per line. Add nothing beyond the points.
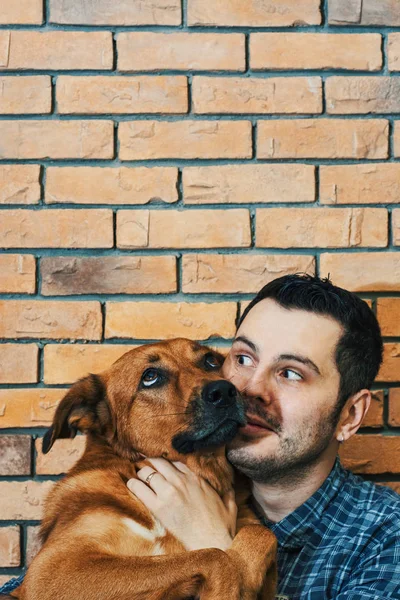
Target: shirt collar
(291, 531)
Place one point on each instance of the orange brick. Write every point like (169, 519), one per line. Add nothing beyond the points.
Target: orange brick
(389, 370)
(105, 95)
(371, 454)
(65, 363)
(141, 140)
(21, 12)
(254, 14)
(321, 227)
(17, 274)
(18, 363)
(106, 185)
(28, 407)
(366, 12)
(366, 272)
(108, 275)
(394, 407)
(315, 51)
(23, 499)
(357, 95)
(31, 95)
(248, 183)
(396, 138)
(228, 273)
(15, 452)
(161, 320)
(62, 458)
(33, 544)
(54, 228)
(123, 12)
(56, 50)
(150, 51)
(255, 95)
(374, 416)
(388, 313)
(19, 184)
(183, 229)
(373, 183)
(50, 319)
(394, 52)
(10, 547)
(396, 226)
(323, 138)
(56, 139)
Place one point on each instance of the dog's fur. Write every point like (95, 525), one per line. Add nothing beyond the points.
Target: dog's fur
(100, 541)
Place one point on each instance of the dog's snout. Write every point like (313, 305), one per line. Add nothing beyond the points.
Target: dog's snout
(220, 393)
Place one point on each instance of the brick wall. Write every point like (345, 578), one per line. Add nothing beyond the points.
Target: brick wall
(159, 162)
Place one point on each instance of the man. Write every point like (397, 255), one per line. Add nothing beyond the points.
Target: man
(305, 356)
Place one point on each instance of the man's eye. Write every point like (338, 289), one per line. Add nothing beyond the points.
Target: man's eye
(243, 360)
(211, 362)
(150, 377)
(291, 375)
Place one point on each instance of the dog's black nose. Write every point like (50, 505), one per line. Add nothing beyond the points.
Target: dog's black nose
(220, 393)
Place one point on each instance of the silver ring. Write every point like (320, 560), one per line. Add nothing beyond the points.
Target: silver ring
(148, 478)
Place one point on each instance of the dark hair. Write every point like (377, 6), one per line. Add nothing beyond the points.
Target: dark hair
(359, 350)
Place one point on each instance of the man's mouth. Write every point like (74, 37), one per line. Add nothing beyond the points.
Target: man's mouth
(255, 426)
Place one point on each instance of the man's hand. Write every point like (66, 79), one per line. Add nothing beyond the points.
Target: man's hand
(187, 505)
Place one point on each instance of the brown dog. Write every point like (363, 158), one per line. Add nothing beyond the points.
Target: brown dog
(100, 542)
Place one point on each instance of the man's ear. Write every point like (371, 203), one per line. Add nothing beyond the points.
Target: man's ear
(84, 408)
(353, 414)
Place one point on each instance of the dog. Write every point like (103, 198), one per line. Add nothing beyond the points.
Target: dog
(99, 541)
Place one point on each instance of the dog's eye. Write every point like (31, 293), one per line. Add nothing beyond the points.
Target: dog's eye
(150, 377)
(211, 362)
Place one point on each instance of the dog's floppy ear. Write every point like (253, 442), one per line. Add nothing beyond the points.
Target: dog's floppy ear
(83, 408)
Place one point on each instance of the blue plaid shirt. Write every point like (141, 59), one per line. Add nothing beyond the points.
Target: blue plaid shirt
(342, 544)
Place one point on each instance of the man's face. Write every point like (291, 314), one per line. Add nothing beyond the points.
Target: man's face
(283, 362)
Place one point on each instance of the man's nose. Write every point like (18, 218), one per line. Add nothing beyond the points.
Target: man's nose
(257, 387)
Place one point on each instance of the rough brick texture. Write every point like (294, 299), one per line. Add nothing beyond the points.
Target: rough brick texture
(103, 95)
(194, 321)
(56, 229)
(315, 51)
(108, 275)
(161, 161)
(233, 184)
(15, 452)
(30, 95)
(184, 139)
(55, 50)
(138, 51)
(183, 229)
(102, 185)
(10, 555)
(17, 274)
(18, 363)
(324, 228)
(19, 184)
(65, 363)
(56, 139)
(108, 12)
(323, 138)
(364, 12)
(21, 12)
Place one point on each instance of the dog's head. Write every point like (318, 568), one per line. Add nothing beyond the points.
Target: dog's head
(166, 399)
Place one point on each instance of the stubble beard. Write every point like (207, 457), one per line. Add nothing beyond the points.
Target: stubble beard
(294, 458)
